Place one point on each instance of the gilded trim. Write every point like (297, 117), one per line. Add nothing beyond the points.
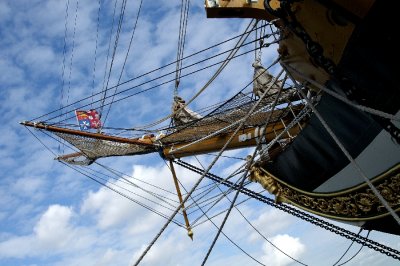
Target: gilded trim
(354, 204)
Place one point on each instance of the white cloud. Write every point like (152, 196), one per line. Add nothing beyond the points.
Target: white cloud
(27, 186)
(164, 252)
(290, 245)
(38, 57)
(51, 233)
(53, 228)
(18, 247)
(11, 74)
(271, 221)
(110, 209)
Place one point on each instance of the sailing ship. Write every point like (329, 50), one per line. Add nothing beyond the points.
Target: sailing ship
(326, 134)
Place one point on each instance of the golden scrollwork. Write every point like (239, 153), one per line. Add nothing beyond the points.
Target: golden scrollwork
(357, 203)
(268, 183)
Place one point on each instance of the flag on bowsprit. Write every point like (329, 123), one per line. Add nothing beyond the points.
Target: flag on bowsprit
(88, 119)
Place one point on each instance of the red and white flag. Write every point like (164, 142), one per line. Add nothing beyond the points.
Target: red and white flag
(88, 119)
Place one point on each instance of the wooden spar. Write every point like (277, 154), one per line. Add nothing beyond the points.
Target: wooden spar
(355, 9)
(145, 142)
(178, 191)
(245, 138)
(237, 8)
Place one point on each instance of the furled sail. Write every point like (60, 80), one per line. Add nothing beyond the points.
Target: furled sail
(182, 114)
(263, 80)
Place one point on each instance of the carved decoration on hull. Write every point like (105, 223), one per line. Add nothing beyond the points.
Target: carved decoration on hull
(356, 203)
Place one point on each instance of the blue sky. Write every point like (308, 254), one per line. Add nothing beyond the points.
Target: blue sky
(51, 215)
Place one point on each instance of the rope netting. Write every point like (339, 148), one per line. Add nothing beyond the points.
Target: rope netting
(92, 148)
(228, 113)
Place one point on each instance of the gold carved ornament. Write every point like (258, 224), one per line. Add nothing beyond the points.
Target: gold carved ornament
(354, 204)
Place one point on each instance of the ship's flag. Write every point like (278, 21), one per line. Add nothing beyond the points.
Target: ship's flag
(88, 119)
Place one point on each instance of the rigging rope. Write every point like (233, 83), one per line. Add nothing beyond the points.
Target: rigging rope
(130, 176)
(87, 174)
(207, 191)
(152, 71)
(158, 196)
(347, 250)
(123, 195)
(108, 51)
(123, 66)
(224, 194)
(230, 240)
(72, 52)
(64, 55)
(216, 74)
(266, 239)
(95, 50)
(126, 181)
(185, 4)
(143, 128)
(344, 99)
(362, 245)
(120, 21)
(63, 65)
(227, 127)
(224, 221)
(265, 93)
(250, 163)
(197, 183)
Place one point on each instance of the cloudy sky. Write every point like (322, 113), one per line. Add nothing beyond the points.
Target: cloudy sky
(54, 53)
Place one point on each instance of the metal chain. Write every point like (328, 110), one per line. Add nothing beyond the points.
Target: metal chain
(388, 251)
(316, 52)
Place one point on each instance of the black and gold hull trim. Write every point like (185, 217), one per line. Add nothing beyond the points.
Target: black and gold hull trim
(356, 204)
